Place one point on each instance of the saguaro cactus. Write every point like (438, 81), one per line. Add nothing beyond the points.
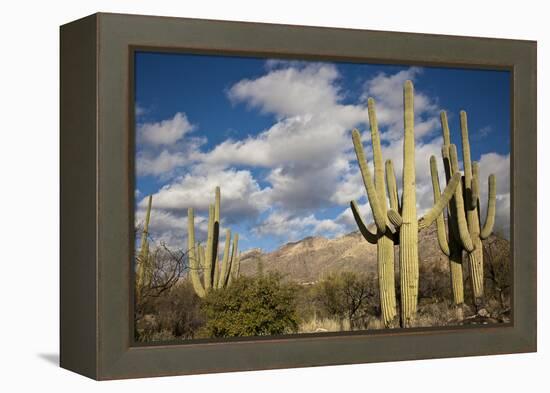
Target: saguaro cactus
(144, 270)
(470, 231)
(406, 220)
(384, 237)
(205, 258)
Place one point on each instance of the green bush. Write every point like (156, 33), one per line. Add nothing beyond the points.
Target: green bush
(251, 306)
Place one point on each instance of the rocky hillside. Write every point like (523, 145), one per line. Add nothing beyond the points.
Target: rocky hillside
(311, 258)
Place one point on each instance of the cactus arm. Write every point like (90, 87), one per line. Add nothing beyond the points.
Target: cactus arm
(222, 280)
(441, 233)
(192, 255)
(445, 127)
(372, 194)
(466, 157)
(237, 264)
(217, 205)
(454, 243)
(395, 218)
(379, 176)
(234, 260)
(215, 243)
(216, 265)
(438, 207)
(491, 209)
(201, 254)
(475, 257)
(462, 223)
(216, 274)
(145, 233)
(143, 258)
(445, 150)
(475, 190)
(208, 266)
(451, 208)
(475, 184)
(147, 265)
(369, 236)
(392, 186)
(445, 153)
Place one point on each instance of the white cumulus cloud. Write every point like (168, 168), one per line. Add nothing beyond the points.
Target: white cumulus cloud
(165, 132)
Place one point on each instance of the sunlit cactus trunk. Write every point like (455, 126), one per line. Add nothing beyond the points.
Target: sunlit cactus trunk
(378, 200)
(408, 232)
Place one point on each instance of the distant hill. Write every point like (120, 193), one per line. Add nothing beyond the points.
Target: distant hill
(309, 259)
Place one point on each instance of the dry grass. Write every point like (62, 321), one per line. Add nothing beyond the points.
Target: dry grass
(375, 324)
(323, 325)
(441, 313)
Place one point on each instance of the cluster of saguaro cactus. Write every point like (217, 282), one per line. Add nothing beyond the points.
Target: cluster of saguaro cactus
(463, 219)
(204, 258)
(144, 273)
(403, 217)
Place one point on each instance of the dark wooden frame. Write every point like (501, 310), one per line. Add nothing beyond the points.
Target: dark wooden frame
(97, 202)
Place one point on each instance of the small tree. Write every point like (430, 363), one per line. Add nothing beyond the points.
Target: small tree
(251, 306)
(347, 295)
(173, 315)
(164, 268)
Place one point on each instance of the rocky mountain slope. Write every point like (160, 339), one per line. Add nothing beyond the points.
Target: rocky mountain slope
(309, 259)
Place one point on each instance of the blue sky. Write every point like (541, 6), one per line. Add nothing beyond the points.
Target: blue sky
(275, 135)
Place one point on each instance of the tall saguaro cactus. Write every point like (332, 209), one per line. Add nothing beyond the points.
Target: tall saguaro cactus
(406, 220)
(205, 258)
(384, 237)
(144, 270)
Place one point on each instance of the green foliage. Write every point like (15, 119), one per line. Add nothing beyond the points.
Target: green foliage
(251, 306)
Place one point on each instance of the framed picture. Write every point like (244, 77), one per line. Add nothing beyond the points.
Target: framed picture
(241, 196)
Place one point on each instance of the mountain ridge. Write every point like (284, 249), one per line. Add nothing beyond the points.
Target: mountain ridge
(313, 257)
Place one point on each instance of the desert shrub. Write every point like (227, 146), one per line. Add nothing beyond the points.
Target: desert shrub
(307, 306)
(434, 283)
(498, 276)
(348, 296)
(175, 314)
(251, 306)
